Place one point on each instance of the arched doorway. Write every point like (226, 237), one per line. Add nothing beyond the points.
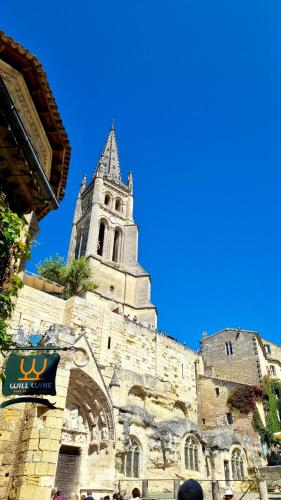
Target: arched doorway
(87, 436)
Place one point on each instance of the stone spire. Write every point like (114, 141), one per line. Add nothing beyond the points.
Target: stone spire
(108, 164)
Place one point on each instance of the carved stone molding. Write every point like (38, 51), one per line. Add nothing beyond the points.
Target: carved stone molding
(80, 357)
(88, 416)
(22, 100)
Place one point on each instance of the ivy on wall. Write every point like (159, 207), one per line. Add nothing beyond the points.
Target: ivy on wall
(272, 409)
(272, 403)
(244, 399)
(13, 248)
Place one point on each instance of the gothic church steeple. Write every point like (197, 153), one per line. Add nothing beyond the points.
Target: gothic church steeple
(108, 163)
(104, 231)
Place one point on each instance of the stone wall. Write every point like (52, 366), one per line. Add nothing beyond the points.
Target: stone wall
(152, 388)
(11, 429)
(241, 366)
(30, 445)
(214, 393)
(36, 309)
(118, 341)
(273, 358)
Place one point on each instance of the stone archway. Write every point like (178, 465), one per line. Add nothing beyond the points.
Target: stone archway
(87, 436)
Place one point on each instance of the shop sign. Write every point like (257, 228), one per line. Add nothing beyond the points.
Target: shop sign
(34, 374)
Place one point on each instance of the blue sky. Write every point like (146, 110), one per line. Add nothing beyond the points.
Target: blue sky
(195, 89)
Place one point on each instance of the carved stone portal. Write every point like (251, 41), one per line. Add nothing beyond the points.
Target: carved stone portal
(88, 417)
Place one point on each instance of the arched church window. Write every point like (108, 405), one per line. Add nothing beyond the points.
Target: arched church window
(101, 238)
(107, 199)
(118, 205)
(237, 465)
(117, 245)
(191, 454)
(131, 460)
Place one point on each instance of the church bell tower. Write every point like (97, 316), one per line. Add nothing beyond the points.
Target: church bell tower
(104, 231)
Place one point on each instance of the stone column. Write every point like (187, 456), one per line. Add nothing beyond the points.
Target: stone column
(108, 242)
(144, 488)
(215, 490)
(176, 487)
(262, 489)
(130, 207)
(92, 242)
(111, 232)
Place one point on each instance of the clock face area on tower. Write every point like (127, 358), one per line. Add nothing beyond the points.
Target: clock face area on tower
(104, 231)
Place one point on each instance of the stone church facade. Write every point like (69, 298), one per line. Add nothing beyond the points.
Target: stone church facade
(132, 403)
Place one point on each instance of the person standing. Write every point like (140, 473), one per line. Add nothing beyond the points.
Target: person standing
(89, 496)
(190, 490)
(136, 493)
(228, 495)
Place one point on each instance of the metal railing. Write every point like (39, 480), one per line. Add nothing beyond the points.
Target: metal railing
(167, 488)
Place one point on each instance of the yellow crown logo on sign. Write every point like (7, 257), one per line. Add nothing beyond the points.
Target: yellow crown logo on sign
(33, 370)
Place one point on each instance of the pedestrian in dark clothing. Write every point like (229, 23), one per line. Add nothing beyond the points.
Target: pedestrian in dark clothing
(89, 496)
(190, 490)
(136, 493)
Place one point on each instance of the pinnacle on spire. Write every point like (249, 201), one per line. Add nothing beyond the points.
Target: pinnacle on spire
(130, 181)
(108, 164)
(114, 380)
(83, 183)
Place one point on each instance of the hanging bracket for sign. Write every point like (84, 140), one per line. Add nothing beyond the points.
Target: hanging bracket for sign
(28, 399)
(43, 348)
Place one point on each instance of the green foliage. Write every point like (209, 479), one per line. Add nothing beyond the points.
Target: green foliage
(12, 248)
(75, 277)
(262, 430)
(244, 398)
(78, 278)
(52, 269)
(271, 403)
